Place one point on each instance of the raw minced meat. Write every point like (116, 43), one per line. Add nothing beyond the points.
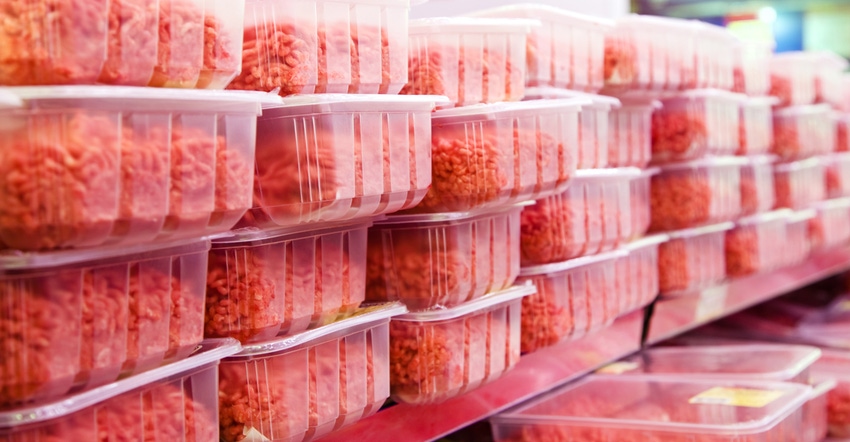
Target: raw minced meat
(620, 62)
(547, 320)
(681, 267)
(742, 252)
(786, 138)
(838, 410)
(780, 87)
(132, 43)
(757, 189)
(180, 53)
(680, 200)
(842, 140)
(555, 229)
(220, 63)
(678, 134)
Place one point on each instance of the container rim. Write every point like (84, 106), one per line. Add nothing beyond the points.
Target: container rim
(478, 305)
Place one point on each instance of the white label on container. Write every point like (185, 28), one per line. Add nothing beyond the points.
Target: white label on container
(252, 435)
(712, 303)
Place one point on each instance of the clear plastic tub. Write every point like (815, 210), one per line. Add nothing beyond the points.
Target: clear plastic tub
(693, 259)
(442, 260)
(573, 298)
(816, 412)
(638, 408)
(89, 165)
(592, 215)
(636, 274)
(797, 243)
(497, 154)
(756, 244)
(470, 60)
(566, 51)
(176, 402)
(82, 318)
(630, 133)
(438, 354)
(333, 157)
(261, 285)
(755, 125)
(757, 188)
(835, 364)
(799, 184)
(803, 131)
(752, 67)
(641, 207)
(680, 57)
(307, 385)
(837, 175)
(715, 56)
(696, 193)
(828, 69)
(842, 125)
(696, 123)
(792, 78)
(829, 228)
(322, 46)
(628, 54)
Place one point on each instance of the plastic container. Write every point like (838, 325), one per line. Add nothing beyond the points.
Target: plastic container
(692, 259)
(752, 67)
(696, 123)
(755, 245)
(89, 165)
(755, 125)
(835, 364)
(470, 60)
(715, 56)
(803, 131)
(828, 69)
(816, 412)
(628, 54)
(498, 154)
(333, 157)
(829, 228)
(261, 285)
(438, 354)
(630, 133)
(681, 56)
(176, 402)
(638, 408)
(322, 46)
(307, 385)
(792, 78)
(757, 187)
(798, 246)
(80, 319)
(842, 124)
(592, 215)
(799, 184)
(573, 298)
(696, 193)
(641, 206)
(636, 274)
(567, 50)
(837, 175)
(443, 260)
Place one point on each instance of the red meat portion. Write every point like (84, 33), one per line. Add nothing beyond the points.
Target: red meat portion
(838, 410)
(780, 87)
(180, 53)
(546, 319)
(620, 62)
(739, 81)
(220, 63)
(554, 229)
(841, 137)
(678, 135)
(742, 252)
(680, 200)
(132, 43)
(786, 142)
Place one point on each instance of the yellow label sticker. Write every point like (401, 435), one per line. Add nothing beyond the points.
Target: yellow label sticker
(843, 306)
(736, 397)
(617, 368)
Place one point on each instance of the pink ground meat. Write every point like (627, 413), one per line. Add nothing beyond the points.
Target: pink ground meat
(132, 44)
(678, 135)
(680, 200)
(742, 252)
(838, 410)
(621, 66)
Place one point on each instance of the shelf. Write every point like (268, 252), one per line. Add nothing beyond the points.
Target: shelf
(534, 374)
(674, 316)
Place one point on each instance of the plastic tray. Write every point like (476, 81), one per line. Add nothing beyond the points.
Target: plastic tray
(573, 298)
(835, 364)
(641, 207)
(442, 260)
(803, 131)
(816, 412)
(592, 215)
(322, 46)
(680, 56)
(692, 259)
(755, 125)
(757, 187)
(81, 319)
(716, 55)
(828, 67)
(566, 51)
(752, 67)
(438, 354)
(176, 402)
(470, 60)
(838, 175)
(498, 154)
(792, 78)
(797, 244)
(305, 386)
(842, 124)
(630, 133)
(638, 408)
(636, 274)
(333, 157)
(696, 123)
(799, 184)
(88, 165)
(756, 244)
(830, 227)
(696, 193)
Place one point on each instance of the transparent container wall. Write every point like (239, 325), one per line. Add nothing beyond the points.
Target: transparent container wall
(800, 133)
(829, 228)
(593, 138)
(799, 185)
(842, 141)
(797, 244)
(181, 408)
(284, 285)
(687, 265)
(307, 392)
(837, 175)
(443, 263)
(792, 81)
(627, 58)
(688, 127)
(752, 69)
(755, 127)
(757, 188)
(641, 205)
(435, 360)
(318, 46)
(755, 247)
(636, 277)
(338, 165)
(816, 418)
(630, 136)
(835, 364)
(693, 196)
(223, 24)
(83, 325)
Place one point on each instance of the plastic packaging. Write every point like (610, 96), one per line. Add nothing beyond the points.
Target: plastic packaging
(307, 385)
(696, 193)
(261, 285)
(638, 408)
(498, 154)
(641, 206)
(828, 67)
(566, 51)
(757, 187)
(438, 354)
(755, 125)
(837, 175)
(592, 215)
(573, 298)
(88, 165)
(755, 245)
(797, 243)
(692, 259)
(842, 124)
(82, 318)
(469, 60)
(752, 67)
(799, 184)
(829, 228)
(630, 133)
(816, 412)
(442, 260)
(792, 78)
(636, 274)
(835, 364)
(333, 157)
(321, 46)
(803, 131)
(175, 402)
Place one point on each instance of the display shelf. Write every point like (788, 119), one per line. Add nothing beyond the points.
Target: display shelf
(535, 373)
(676, 315)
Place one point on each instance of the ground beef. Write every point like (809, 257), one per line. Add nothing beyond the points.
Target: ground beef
(680, 200)
(757, 188)
(838, 177)
(743, 254)
(689, 264)
(842, 141)
(678, 134)
(787, 142)
(799, 188)
(621, 64)
(132, 43)
(838, 410)
(555, 229)
(780, 87)
(639, 198)
(180, 51)
(553, 314)
(221, 58)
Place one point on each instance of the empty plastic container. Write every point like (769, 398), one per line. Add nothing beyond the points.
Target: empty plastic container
(803, 131)
(307, 385)
(630, 133)
(799, 184)
(837, 175)
(792, 78)
(752, 67)
(442, 260)
(829, 228)
(835, 364)
(757, 187)
(438, 354)
(755, 125)
(636, 274)
(81, 319)
(693, 259)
